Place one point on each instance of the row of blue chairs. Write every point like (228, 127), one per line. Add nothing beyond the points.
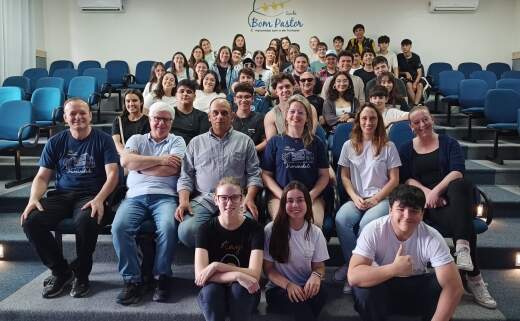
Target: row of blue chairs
(498, 68)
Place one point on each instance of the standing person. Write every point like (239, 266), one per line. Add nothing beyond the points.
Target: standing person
(154, 162)
(296, 154)
(411, 71)
(401, 246)
(180, 66)
(360, 43)
(210, 90)
(158, 69)
(188, 122)
(84, 162)
(201, 69)
(383, 43)
(209, 54)
(131, 121)
(224, 69)
(165, 91)
(345, 61)
(247, 121)
(367, 72)
(239, 43)
(313, 45)
(392, 85)
(435, 164)
(295, 252)
(197, 54)
(369, 172)
(228, 258)
(220, 152)
(341, 105)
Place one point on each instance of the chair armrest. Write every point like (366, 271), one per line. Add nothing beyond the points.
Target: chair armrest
(21, 142)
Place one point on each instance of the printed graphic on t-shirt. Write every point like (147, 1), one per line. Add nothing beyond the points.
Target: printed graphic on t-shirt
(232, 251)
(82, 164)
(293, 158)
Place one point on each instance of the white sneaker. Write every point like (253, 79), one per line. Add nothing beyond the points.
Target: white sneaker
(346, 288)
(340, 274)
(481, 294)
(464, 259)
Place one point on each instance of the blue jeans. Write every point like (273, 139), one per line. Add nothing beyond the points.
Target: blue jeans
(130, 215)
(220, 300)
(349, 219)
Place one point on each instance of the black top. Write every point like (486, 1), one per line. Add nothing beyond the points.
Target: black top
(364, 75)
(409, 64)
(230, 247)
(140, 126)
(252, 126)
(222, 73)
(427, 169)
(317, 102)
(190, 125)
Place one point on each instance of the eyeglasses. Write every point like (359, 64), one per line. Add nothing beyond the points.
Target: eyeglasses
(161, 119)
(234, 198)
(306, 79)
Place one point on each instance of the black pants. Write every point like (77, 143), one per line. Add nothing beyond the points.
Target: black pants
(457, 216)
(57, 207)
(415, 295)
(278, 301)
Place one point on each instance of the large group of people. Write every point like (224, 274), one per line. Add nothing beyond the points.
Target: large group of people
(212, 131)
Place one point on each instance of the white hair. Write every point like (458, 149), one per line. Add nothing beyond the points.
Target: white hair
(161, 106)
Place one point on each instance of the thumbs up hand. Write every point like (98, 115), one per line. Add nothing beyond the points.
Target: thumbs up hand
(402, 263)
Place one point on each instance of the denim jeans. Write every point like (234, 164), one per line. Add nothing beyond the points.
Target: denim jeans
(349, 218)
(220, 300)
(130, 215)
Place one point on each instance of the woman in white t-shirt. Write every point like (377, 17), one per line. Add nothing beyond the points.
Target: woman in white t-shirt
(369, 172)
(295, 252)
(158, 69)
(210, 90)
(165, 91)
(180, 66)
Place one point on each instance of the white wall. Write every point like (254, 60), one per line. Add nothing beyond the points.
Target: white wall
(154, 29)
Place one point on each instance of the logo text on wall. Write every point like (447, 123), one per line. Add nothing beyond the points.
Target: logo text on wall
(274, 16)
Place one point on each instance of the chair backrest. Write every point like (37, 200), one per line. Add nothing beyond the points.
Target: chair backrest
(501, 106)
(82, 87)
(18, 81)
(117, 69)
(468, 67)
(101, 75)
(168, 64)
(34, 74)
(44, 101)
(86, 64)
(142, 71)
(435, 68)
(60, 64)
(488, 76)
(472, 92)
(498, 68)
(10, 93)
(54, 82)
(14, 115)
(341, 135)
(400, 132)
(513, 84)
(66, 75)
(512, 74)
(322, 134)
(449, 82)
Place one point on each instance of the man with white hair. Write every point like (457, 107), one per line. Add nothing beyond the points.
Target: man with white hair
(154, 162)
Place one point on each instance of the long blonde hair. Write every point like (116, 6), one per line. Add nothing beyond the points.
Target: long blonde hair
(307, 135)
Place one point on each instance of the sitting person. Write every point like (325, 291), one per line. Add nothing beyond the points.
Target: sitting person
(247, 121)
(341, 105)
(260, 103)
(401, 246)
(296, 154)
(367, 72)
(411, 71)
(188, 122)
(360, 43)
(201, 69)
(197, 55)
(131, 121)
(395, 98)
(345, 60)
(209, 54)
(435, 164)
(307, 88)
(294, 254)
(154, 162)
(228, 258)
(331, 66)
(301, 65)
(210, 90)
(180, 66)
(357, 63)
(378, 97)
(220, 152)
(383, 42)
(320, 62)
(158, 69)
(224, 69)
(369, 172)
(262, 74)
(338, 43)
(380, 65)
(165, 92)
(84, 162)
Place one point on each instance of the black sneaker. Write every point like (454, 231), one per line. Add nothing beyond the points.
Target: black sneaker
(130, 294)
(162, 289)
(79, 288)
(56, 283)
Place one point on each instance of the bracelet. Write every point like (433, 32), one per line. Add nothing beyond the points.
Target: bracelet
(318, 274)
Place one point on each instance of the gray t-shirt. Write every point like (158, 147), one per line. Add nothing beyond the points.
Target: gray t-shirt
(379, 243)
(302, 252)
(368, 173)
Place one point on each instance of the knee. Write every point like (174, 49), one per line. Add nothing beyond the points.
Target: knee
(212, 293)
(167, 228)
(187, 231)
(85, 221)
(460, 185)
(345, 217)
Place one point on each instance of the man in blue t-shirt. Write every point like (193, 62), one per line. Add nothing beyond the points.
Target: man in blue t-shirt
(85, 162)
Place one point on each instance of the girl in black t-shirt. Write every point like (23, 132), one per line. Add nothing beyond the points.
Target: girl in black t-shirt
(228, 258)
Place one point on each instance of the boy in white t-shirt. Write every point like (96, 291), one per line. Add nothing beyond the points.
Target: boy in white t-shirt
(402, 245)
(383, 43)
(379, 97)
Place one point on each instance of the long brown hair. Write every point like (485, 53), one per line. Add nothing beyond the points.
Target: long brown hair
(280, 233)
(307, 135)
(380, 138)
